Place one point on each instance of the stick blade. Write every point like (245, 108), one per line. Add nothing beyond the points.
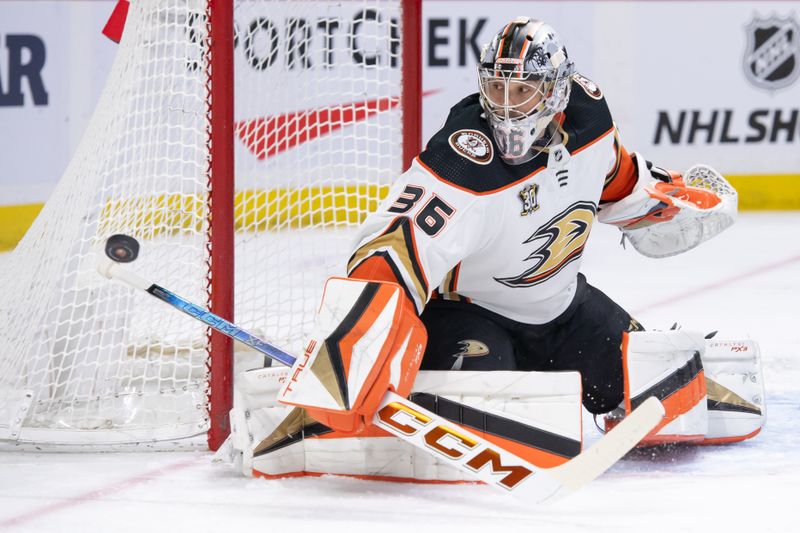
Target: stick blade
(611, 448)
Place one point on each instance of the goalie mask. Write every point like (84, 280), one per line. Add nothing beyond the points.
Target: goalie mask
(524, 76)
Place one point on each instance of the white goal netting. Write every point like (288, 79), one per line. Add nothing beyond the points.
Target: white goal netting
(86, 361)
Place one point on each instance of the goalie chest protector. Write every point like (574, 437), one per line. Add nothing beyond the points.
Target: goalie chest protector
(511, 236)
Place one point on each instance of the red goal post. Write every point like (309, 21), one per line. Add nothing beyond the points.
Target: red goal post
(240, 142)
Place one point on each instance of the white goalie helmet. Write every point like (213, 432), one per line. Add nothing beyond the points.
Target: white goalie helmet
(524, 75)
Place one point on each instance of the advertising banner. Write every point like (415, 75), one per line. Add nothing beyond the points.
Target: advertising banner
(53, 65)
(708, 81)
(687, 82)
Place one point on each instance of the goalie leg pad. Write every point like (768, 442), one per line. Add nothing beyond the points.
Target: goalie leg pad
(537, 415)
(259, 423)
(736, 407)
(667, 365)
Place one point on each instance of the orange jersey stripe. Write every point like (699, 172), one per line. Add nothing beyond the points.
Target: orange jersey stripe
(375, 268)
(399, 237)
(599, 138)
(450, 184)
(622, 179)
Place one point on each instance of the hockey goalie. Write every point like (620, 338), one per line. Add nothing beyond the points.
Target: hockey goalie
(464, 291)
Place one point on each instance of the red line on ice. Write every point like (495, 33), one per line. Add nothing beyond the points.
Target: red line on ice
(719, 284)
(96, 494)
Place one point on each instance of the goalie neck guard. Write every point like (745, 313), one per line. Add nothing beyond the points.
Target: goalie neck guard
(524, 78)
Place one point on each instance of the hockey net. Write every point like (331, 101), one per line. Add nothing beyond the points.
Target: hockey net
(319, 134)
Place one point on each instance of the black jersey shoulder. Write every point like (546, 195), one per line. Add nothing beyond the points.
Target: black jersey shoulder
(463, 152)
(587, 116)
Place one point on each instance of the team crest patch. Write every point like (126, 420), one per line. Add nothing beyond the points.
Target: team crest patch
(469, 348)
(473, 145)
(772, 56)
(589, 86)
(557, 243)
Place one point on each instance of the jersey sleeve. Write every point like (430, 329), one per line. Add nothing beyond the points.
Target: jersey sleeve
(622, 175)
(588, 117)
(630, 171)
(638, 194)
(418, 234)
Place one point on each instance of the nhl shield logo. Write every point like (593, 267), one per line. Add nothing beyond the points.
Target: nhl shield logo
(772, 57)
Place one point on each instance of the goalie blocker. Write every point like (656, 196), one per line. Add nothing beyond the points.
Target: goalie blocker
(367, 340)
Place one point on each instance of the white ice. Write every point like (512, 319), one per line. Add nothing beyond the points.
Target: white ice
(745, 283)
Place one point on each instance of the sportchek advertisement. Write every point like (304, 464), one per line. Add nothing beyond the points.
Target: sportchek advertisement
(714, 82)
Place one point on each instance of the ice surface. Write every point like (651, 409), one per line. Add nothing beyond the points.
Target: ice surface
(745, 283)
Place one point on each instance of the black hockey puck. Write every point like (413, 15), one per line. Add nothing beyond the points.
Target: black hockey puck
(122, 248)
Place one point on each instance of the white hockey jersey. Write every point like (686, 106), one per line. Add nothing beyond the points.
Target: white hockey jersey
(463, 224)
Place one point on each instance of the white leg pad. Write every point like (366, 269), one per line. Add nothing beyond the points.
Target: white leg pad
(731, 407)
(546, 405)
(692, 423)
(668, 365)
(736, 406)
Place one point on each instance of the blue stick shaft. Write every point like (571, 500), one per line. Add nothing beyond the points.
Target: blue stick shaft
(220, 324)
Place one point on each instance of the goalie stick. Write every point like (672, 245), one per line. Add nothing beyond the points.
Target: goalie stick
(449, 442)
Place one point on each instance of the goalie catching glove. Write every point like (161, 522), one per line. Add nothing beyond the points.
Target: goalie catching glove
(668, 214)
(367, 340)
